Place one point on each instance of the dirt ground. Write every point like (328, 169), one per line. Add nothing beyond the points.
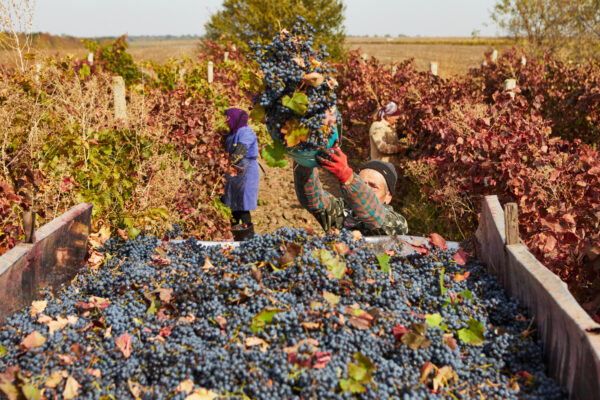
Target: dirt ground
(278, 205)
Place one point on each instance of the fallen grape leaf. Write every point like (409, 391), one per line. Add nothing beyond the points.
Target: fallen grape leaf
(341, 248)
(426, 369)
(415, 338)
(57, 324)
(473, 334)
(263, 318)
(56, 378)
(123, 343)
(221, 321)
(256, 341)
(186, 386)
(335, 266)
(135, 388)
(443, 377)
(438, 241)
(31, 392)
(33, 340)
(435, 321)
(207, 265)
(71, 388)
(311, 325)
(449, 341)
(321, 359)
(202, 394)
(460, 256)
(359, 374)
(419, 249)
(331, 298)
(96, 373)
(359, 319)
(461, 277)
(9, 390)
(37, 307)
(291, 252)
(384, 262)
(399, 331)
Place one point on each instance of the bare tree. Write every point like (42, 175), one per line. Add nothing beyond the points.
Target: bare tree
(16, 23)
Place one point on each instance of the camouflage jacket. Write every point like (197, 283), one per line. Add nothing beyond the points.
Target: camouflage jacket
(359, 209)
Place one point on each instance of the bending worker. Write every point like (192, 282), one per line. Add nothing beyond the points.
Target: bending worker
(365, 205)
(385, 145)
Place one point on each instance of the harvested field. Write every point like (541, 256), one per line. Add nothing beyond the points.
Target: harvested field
(454, 55)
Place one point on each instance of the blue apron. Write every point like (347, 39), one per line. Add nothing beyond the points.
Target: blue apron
(241, 190)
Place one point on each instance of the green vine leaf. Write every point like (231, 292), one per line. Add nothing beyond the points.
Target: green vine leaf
(298, 103)
(473, 334)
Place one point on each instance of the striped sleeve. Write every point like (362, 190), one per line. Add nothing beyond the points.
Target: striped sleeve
(365, 205)
(309, 189)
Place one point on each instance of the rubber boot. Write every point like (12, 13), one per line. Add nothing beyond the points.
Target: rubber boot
(242, 232)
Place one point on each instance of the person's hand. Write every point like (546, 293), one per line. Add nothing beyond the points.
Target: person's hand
(336, 162)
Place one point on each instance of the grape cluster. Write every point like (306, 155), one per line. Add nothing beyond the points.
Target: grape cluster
(291, 66)
(268, 320)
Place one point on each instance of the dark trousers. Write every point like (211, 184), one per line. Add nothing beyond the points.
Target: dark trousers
(241, 217)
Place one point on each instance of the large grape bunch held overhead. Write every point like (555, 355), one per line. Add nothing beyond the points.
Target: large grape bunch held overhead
(298, 97)
(286, 315)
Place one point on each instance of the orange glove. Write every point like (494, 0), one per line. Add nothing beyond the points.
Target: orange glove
(336, 162)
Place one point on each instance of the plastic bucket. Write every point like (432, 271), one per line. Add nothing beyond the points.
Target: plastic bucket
(306, 158)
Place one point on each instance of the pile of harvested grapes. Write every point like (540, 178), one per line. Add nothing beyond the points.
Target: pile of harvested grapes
(286, 315)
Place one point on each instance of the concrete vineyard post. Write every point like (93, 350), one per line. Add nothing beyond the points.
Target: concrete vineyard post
(364, 56)
(182, 72)
(394, 69)
(509, 85)
(511, 223)
(90, 58)
(210, 77)
(226, 56)
(433, 67)
(523, 61)
(118, 86)
(38, 68)
(494, 57)
(29, 226)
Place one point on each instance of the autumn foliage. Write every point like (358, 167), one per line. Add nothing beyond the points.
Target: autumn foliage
(466, 138)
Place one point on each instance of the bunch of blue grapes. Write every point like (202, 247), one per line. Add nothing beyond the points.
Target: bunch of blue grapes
(285, 62)
(208, 331)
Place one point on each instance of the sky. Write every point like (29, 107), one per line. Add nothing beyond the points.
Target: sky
(91, 18)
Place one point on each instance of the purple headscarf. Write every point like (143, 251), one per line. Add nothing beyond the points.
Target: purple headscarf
(236, 118)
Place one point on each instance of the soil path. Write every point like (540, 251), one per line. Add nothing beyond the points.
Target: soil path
(278, 205)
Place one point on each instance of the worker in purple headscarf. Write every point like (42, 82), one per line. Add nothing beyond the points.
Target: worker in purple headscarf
(241, 190)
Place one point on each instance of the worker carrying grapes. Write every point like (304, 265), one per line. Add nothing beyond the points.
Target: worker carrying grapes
(366, 196)
(382, 135)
